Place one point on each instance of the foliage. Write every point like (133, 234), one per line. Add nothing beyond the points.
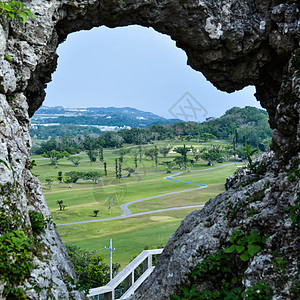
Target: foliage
(249, 153)
(37, 221)
(89, 267)
(15, 262)
(55, 156)
(151, 153)
(49, 181)
(101, 157)
(222, 277)
(294, 211)
(121, 152)
(258, 291)
(258, 196)
(214, 153)
(220, 271)
(293, 174)
(92, 154)
(246, 245)
(74, 160)
(164, 150)
(105, 168)
(5, 164)
(72, 177)
(96, 211)
(238, 125)
(59, 177)
(183, 151)
(61, 204)
(169, 165)
(93, 175)
(15, 9)
(130, 170)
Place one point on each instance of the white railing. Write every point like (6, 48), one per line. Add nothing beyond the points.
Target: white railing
(107, 292)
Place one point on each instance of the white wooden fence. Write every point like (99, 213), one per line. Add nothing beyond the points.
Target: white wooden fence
(107, 292)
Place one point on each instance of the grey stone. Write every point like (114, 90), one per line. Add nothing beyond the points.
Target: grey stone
(234, 44)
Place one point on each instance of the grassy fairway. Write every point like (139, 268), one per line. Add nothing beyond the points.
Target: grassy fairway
(130, 236)
(85, 197)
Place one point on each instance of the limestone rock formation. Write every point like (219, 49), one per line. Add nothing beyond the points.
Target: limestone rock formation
(234, 43)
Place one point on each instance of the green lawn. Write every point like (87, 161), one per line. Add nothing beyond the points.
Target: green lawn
(84, 198)
(130, 236)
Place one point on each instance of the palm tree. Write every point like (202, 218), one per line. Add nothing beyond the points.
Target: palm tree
(96, 211)
(61, 204)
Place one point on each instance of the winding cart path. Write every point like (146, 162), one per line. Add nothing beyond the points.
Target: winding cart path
(127, 213)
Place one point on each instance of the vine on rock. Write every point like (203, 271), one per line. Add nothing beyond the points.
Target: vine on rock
(220, 273)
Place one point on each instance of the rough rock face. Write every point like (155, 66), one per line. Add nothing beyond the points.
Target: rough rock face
(255, 201)
(234, 43)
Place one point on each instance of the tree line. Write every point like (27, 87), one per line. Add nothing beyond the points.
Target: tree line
(239, 126)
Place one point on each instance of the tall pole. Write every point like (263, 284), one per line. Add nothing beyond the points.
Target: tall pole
(111, 249)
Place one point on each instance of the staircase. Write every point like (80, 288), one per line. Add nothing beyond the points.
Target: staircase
(107, 292)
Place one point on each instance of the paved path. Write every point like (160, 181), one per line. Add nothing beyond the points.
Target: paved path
(127, 213)
(132, 215)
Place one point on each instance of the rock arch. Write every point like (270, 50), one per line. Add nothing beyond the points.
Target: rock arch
(233, 42)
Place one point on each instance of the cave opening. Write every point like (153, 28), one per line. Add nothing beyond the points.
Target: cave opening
(130, 66)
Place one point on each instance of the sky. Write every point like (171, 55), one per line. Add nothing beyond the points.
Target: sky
(136, 67)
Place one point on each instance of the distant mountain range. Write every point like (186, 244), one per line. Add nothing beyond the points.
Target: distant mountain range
(105, 118)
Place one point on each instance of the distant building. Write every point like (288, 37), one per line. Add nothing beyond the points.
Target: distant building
(209, 119)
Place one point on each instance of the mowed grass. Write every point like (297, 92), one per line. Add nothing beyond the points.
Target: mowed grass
(130, 236)
(44, 169)
(84, 198)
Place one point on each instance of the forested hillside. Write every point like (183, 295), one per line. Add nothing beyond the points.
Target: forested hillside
(238, 126)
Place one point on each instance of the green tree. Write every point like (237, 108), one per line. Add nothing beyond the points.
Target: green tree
(165, 150)
(151, 153)
(190, 164)
(93, 175)
(227, 153)
(121, 152)
(179, 161)
(105, 168)
(96, 211)
(54, 156)
(156, 158)
(72, 177)
(101, 158)
(206, 137)
(92, 154)
(183, 151)
(89, 267)
(60, 178)
(129, 170)
(120, 169)
(169, 165)
(141, 153)
(134, 153)
(61, 205)
(74, 160)
(116, 168)
(49, 181)
(211, 156)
